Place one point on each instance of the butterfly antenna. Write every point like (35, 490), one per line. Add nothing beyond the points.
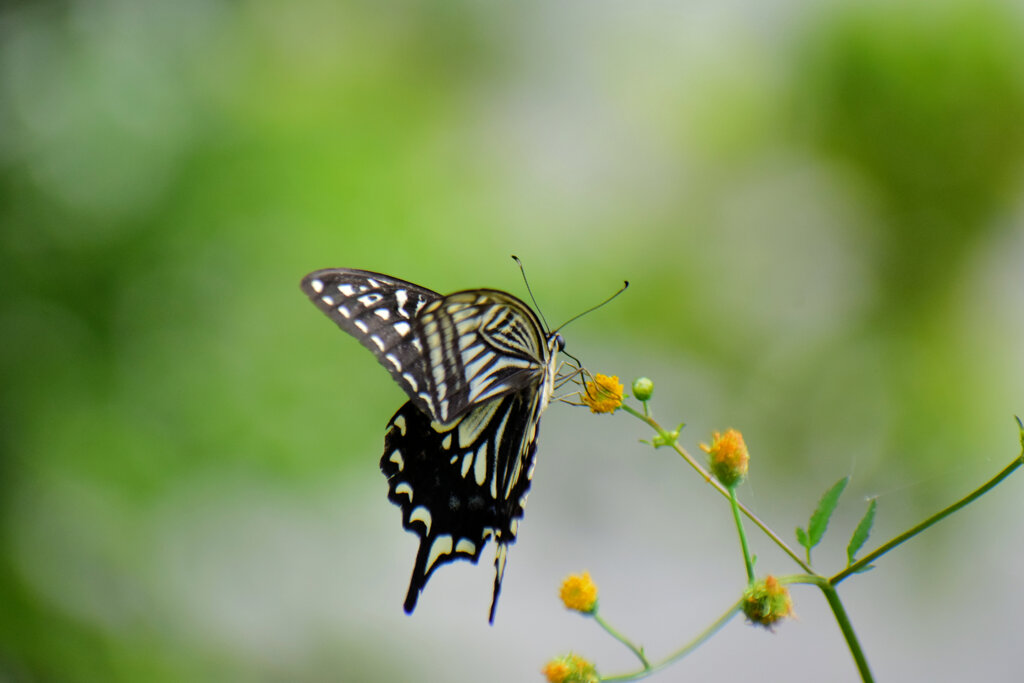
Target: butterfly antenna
(625, 286)
(532, 297)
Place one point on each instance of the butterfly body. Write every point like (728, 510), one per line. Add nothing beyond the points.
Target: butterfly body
(479, 370)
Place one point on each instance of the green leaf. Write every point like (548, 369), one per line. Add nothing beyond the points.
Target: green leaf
(826, 506)
(860, 534)
(801, 538)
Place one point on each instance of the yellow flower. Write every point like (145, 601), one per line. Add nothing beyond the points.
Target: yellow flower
(570, 669)
(603, 395)
(767, 602)
(556, 671)
(729, 457)
(579, 593)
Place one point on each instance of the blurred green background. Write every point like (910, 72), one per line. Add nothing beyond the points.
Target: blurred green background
(820, 207)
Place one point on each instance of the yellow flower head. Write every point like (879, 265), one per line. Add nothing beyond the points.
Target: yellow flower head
(729, 457)
(767, 602)
(570, 669)
(579, 593)
(556, 671)
(603, 395)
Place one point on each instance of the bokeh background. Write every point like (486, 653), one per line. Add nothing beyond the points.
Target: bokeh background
(820, 206)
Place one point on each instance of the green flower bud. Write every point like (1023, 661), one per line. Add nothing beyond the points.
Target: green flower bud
(643, 388)
(767, 602)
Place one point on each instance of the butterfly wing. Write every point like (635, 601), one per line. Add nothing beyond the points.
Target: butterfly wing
(380, 311)
(479, 372)
(480, 345)
(460, 484)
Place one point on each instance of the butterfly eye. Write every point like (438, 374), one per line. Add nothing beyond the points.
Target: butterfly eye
(560, 342)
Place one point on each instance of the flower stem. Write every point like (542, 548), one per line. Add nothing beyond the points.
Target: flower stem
(668, 438)
(681, 652)
(638, 651)
(743, 534)
(832, 597)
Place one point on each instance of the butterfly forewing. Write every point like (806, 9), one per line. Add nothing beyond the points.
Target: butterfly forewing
(380, 311)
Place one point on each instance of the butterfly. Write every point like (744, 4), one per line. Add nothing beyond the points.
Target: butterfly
(479, 369)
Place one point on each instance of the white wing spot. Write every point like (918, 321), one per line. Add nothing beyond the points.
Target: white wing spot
(362, 326)
(400, 423)
(404, 489)
(401, 297)
(416, 345)
(317, 285)
(394, 361)
(401, 328)
(378, 341)
(415, 387)
(373, 283)
(442, 546)
(370, 299)
(346, 290)
(480, 466)
(455, 459)
(344, 311)
(467, 462)
(382, 313)
(396, 457)
(465, 546)
(447, 443)
(419, 305)
(421, 514)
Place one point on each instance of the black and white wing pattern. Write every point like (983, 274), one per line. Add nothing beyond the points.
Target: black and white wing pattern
(479, 370)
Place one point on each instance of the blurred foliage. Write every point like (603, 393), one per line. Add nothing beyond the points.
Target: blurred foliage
(925, 101)
(800, 212)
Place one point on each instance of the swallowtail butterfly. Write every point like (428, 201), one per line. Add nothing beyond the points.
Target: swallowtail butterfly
(479, 370)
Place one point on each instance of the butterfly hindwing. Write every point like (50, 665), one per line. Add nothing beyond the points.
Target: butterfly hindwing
(459, 485)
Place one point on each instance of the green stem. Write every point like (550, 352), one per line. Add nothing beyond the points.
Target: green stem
(848, 633)
(841, 618)
(743, 534)
(681, 652)
(937, 517)
(721, 489)
(638, 651)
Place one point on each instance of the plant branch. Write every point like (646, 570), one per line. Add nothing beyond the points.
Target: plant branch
(668, 438)
(638, 651)
(681, 652)
(934, 519)
(832, 596)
